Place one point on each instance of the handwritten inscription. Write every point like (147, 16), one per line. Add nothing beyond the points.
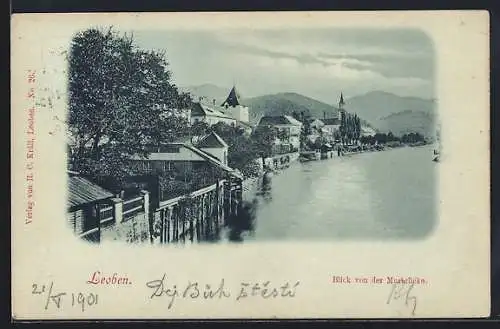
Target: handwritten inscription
(196, 290)
(400, 294)
(30, 147)
(56, 299)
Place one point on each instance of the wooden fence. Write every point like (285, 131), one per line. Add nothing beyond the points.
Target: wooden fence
(198, 216)
(89, 227)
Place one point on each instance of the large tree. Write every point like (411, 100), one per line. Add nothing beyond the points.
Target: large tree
(263, 138)
(120, 99)
(243, 150)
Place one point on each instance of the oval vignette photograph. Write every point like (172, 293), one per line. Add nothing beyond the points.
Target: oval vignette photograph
(313, 134)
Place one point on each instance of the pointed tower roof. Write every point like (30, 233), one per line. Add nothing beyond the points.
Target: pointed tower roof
(232, 99)
(341, 102)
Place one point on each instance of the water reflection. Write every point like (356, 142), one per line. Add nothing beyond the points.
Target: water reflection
(243, 224)
(244, 221)
(265, 189)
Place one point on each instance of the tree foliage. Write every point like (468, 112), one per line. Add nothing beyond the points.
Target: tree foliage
(305, 118)
(244, 151)
(383, 138)
(350, 127)
(263, 138)
(120, 99)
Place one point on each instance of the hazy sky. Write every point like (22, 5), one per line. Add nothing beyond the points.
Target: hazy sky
(316, 63)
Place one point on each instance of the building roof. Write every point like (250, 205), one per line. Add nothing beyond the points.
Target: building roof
(233, 99)
(279, 120)
(212, 140)
(331, 121)
(204, 110)
(316, 121)
(200, 153)
(82, 191)
(213, 160)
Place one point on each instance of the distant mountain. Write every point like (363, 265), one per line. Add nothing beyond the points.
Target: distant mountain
(380, 110)
(408, 122)
(287, 103)
(379, 104)
(388, 112)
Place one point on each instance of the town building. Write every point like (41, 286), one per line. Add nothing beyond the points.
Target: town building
(231, 112)
(214, 145)
(235, 107)
(210, 115)
(85, 200)
(317, 130)
(331, 126)
(184, 158)
(316, 124)
(95, 214)
(289, 129)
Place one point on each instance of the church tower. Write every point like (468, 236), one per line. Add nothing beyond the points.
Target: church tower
(341, 106)
(234, 106)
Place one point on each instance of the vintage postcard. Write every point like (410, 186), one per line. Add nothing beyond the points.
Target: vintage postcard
(250, 165)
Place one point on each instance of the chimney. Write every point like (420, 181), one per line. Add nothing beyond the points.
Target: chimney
(213, 101)
(324, 114)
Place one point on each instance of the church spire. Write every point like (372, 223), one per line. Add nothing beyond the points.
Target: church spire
(232, 99)
(341, 101)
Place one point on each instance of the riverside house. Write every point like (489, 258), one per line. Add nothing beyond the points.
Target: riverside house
(181, 157)
(85, 200)
(185, 167)
(184, 158)
(214, 145)
(289, 131)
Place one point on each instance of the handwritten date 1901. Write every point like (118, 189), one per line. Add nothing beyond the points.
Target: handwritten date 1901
(81, 300)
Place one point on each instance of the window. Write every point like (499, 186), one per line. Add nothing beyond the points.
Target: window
(146, 166)
(167, 165)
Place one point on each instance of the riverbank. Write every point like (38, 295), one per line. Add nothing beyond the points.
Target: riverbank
(350, 150)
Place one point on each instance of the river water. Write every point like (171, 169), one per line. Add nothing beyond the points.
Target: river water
(375, 195)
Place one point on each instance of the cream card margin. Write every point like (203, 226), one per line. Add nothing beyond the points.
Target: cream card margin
(454, 259)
